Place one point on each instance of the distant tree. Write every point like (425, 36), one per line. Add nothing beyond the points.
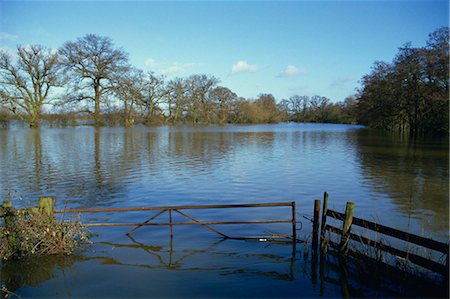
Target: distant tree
(298, 107)
(284, 109)
(26, 81)
(176, 100)
(378, 104)
(349, 110)
(92, 63)
(320, 108)
(222, 99)
(153, 96)
(198, 88)
(130, 89)
(244, 112)
(437, 80)
(411, 93)
(267, 109)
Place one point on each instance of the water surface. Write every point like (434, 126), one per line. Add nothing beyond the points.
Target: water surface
(396, 181)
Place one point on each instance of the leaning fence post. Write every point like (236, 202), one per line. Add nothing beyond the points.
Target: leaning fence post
(350, 207)
(46, 205)
(324, 220)
(316, 220)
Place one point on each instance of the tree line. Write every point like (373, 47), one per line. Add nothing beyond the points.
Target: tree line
(95, 78)
(411, 94)
(91, 78)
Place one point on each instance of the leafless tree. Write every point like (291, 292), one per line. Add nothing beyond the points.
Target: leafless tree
(26, 80)
(223, 99)
(130, 89)
(176, 100)
(154, 95)
(198, 89)
(92, 62)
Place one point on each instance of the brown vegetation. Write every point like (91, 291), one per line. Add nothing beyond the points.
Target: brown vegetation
(410, 94)
(29, 232)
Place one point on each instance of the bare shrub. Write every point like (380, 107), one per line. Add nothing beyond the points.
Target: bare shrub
(28, 232)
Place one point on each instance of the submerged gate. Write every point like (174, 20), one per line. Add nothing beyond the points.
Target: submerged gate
(181, 210)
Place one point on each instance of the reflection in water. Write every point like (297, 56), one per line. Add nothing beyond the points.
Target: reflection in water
(405, 180)
(414, 174)
(181, 261)
(248, 269)
(225, 261)
(86, 167)
(15, 275)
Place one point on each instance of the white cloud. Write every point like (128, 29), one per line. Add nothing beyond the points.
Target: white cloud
(7, 36)
(291, 71)
(150, 63)
(243, 66)
(176, 68)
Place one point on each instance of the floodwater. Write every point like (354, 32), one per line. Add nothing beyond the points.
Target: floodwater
(393, 180)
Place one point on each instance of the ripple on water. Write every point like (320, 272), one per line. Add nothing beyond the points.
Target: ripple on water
(219, 164)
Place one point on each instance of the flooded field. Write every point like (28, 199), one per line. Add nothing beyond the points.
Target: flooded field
(395, 181)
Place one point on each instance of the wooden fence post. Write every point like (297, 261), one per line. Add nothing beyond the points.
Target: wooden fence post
(46, 205)
(170, 222)
(350, 207)
(324, 221)
(8, 215)
(6, 204)
(7, 211)
(294, 223)
(316, 222)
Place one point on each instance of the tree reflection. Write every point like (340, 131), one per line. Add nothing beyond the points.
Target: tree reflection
(34, 271)
(256, 263)
(172, 259)
(413, 172)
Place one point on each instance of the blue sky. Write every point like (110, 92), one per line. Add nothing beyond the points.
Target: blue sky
(283, 48)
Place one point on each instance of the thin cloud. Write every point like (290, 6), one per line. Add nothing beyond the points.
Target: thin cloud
(151, 63)
(243, 66)
(8, 37)
(176, 68)
(340, 82)
(292, 71)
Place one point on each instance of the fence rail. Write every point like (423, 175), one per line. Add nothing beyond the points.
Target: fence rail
(346, 235)
(416, 259)
(178, 209)
(389, 231)
(185, 207)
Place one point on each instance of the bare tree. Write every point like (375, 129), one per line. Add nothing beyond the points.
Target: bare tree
(223, 99)
(176, 100)
(153, 96)
(298, 106)
(25, 82)
(92, 62)
(198, 88)
(130, 88)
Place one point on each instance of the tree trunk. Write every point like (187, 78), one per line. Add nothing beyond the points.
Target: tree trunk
(97, 103)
